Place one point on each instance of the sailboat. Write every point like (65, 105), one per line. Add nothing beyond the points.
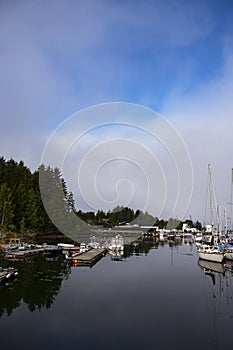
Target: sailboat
(211, 251)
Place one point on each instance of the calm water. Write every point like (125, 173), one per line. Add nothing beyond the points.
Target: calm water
(156, 297)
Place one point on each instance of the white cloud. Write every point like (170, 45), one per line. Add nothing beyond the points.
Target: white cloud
(205, 120)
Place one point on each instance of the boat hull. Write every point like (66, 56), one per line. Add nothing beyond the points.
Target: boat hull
(216, 257)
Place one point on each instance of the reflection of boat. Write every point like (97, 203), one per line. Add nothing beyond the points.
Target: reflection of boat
(221, 300)
(212, 269)
(229, 265)
(188, 236)
(217, 273)
(7, 274)
(211, 266)
(171, 236)
(116, 255)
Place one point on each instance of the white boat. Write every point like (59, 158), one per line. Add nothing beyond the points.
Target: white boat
(93, 244)
(211, 253)
(120, 243)
(65, 245)
(116, 243)
(83, 248)
(228, 251)
(112, 245)
(198, 237)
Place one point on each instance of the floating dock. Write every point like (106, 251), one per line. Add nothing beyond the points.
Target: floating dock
(89, 258)
(20, 254)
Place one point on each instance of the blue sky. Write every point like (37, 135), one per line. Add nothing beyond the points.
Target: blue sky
(176, 57)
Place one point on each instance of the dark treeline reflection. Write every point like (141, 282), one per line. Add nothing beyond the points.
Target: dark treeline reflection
(139, 248)
(143, 247)
(37, 285)
(40, 278)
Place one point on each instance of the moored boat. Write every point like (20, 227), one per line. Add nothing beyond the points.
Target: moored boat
(116, 243)
(83, 248)
(228, 251)
(93, 244)
(211, 253)
(198, 237)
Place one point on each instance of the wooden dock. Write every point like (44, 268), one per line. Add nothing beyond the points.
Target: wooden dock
(20, 254)
(89, 258)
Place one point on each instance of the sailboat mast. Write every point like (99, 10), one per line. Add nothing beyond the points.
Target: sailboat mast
(219, 211)
(225, 220)
(210, 196)
(231, 198)
(213, 198)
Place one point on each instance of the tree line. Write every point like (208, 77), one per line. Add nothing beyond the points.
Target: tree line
(21, 207)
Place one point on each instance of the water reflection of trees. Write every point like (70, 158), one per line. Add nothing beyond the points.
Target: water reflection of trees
(144, 246)
(141, 247)
(38, 284)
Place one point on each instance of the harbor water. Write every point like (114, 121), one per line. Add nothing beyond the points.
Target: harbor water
(156, 296)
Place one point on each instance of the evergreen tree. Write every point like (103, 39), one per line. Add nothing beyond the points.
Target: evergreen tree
(6, 207)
